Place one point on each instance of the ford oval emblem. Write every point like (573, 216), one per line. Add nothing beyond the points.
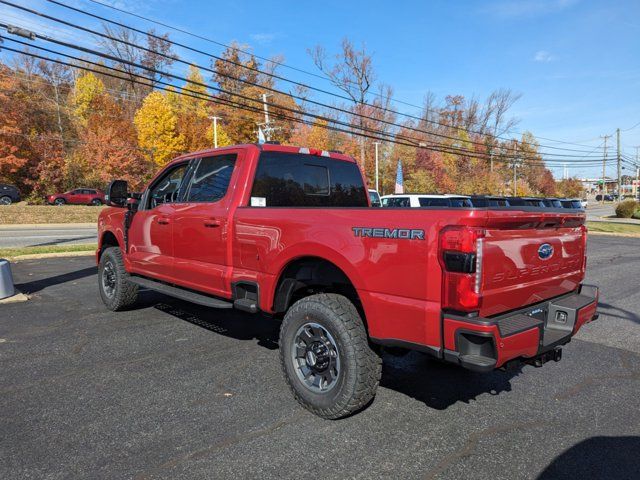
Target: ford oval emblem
(545, 251)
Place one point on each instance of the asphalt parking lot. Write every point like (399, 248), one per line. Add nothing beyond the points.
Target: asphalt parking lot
(175, 391)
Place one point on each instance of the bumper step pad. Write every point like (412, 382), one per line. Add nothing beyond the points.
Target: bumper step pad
(517, 323)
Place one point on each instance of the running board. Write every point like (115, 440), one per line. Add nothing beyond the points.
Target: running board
(180, 293)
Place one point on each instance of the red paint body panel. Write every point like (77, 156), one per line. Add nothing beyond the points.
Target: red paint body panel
(398, 281)
(515, 276)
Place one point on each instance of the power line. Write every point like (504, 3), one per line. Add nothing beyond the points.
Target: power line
(441, 148)
(101, 70)
(198, 95)
(630, 128)
(282, 64)
(272, 75)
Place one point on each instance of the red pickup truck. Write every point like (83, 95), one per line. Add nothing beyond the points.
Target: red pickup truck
(290, 232)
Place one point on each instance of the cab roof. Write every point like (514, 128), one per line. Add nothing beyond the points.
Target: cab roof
(271, 147)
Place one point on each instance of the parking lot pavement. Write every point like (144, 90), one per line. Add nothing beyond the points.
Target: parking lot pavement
(177, 391)
(44, 235)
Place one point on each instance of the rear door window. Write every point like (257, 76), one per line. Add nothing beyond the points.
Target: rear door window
(461, 202)
(433, 202)
(397, 202)
(298, 180)
(211, 178)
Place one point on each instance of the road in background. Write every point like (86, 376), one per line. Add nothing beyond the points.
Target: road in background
(171, 390)
(596, 210)
(46, 235)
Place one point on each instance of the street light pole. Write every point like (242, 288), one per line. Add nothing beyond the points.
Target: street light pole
(215, 131)
(377, 182)
(619, 165)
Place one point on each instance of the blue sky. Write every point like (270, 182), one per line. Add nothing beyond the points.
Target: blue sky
(575, 62)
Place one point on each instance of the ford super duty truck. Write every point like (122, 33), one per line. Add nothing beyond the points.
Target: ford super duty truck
(290, 232)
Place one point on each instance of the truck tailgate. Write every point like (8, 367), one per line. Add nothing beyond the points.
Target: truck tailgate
(529, 259)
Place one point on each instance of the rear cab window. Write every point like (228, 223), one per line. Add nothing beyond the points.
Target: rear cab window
(298, 180)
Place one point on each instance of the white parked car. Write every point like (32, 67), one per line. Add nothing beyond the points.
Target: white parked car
(374, 197)
(419, 200)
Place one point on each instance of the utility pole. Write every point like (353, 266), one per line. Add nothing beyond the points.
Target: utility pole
(515, 178)
(377, 182)
(619, 165)
(637, 189)
(215, 131)
(267, 127)
(266, 108)
(604, 166)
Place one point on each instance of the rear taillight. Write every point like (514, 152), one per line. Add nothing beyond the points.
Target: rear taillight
(460, 254)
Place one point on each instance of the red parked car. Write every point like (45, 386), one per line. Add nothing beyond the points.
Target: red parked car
(290, 232)
(78, 196)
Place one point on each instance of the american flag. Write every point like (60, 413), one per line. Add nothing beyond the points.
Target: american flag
(399, 181)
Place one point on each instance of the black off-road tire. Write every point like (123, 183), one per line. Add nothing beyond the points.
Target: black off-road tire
(124, 292)
(360, 366)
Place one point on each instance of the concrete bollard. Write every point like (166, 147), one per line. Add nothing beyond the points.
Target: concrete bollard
(6, 280)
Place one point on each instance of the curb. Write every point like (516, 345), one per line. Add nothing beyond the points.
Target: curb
(614, 234)
(31, 226)
(17, 298)
(38, 256)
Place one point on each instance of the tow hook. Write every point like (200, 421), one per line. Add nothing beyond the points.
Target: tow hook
(555, 355)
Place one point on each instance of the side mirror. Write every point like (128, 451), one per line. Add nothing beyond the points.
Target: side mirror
(117, 193)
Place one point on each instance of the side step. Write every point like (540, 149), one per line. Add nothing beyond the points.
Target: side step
(180, 293)
(246, 305)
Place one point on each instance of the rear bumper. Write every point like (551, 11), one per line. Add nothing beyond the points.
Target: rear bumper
(483, 344)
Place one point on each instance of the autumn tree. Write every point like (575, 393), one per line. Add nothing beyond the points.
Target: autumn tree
(570, 188)
(87, 90)
(148, 57)
(352, 72)
(193, 109)
(156, 124)
(242, 82)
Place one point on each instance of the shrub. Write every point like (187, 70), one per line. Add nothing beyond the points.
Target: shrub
(626, 209)
(636, 215)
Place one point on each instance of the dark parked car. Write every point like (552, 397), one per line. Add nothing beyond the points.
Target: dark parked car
(571, 203)
(79, 196)
(607, 197)
(552, 202)
(482, 201)
(8, 194)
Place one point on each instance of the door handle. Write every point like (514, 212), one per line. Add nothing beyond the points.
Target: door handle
(163, 221)
(211, 223)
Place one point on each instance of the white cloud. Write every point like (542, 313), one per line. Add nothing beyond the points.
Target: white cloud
(263, 38)
(543, 56)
